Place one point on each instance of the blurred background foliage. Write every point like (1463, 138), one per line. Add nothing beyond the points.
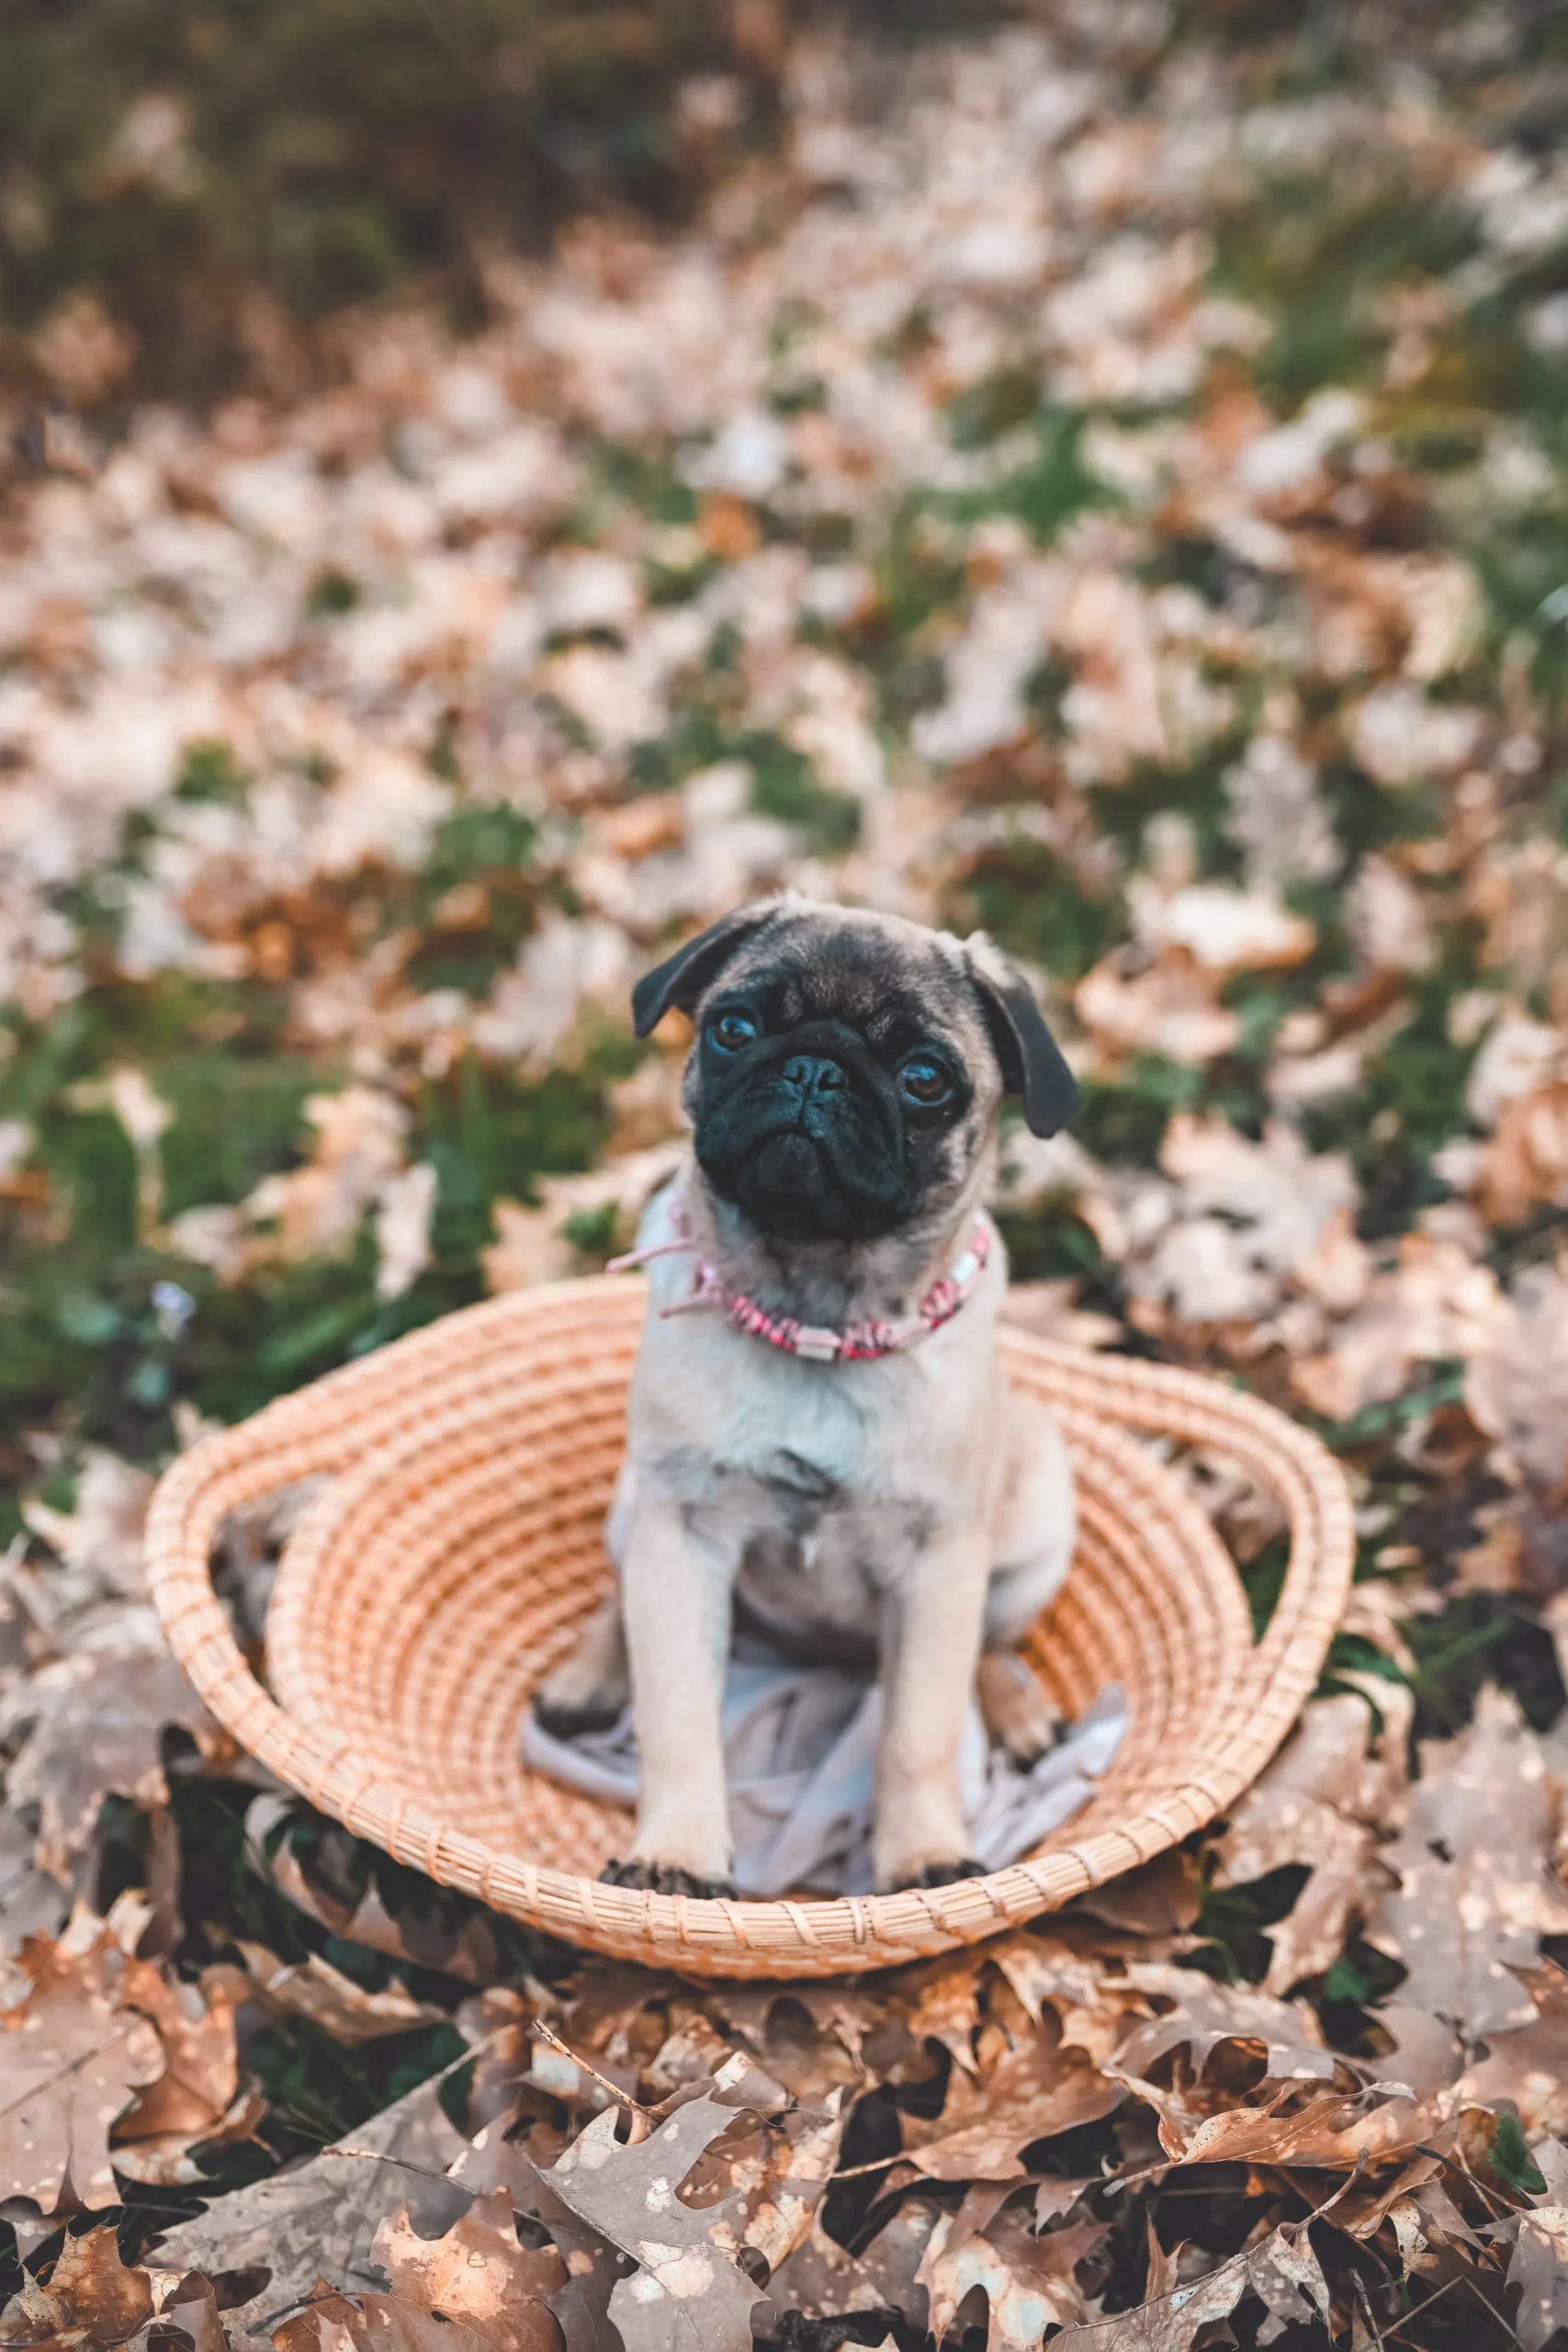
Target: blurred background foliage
(224, 176)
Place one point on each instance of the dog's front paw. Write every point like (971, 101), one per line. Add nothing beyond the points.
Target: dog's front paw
(940, 1874)
(651, 1877)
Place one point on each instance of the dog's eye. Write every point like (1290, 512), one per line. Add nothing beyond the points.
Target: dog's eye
(732, 1030)
(925, 1081)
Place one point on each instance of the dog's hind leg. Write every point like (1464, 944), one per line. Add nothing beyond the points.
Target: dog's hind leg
(1033, 1532)
(590, 1687)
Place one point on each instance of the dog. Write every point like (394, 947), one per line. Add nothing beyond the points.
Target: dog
(822, 1442)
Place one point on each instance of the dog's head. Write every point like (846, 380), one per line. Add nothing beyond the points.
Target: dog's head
(847, 1066)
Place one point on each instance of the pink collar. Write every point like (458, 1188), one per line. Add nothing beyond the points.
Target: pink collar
(857, 1342)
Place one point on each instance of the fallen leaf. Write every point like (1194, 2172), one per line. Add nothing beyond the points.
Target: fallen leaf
(1202, 2013)
(1516, 1382)
(821, 2279)
(685, 2290)
(1027, 2277)
(1282, 2271)
(1474, 1896)
(313, 1988)
(96, 1724)
(91, 2298)
(323, 2218)
(477, 2273)
(72, 2058)
(1039, 2084)
(1539, 2268)
(1527, 2068)
(1334, 1789)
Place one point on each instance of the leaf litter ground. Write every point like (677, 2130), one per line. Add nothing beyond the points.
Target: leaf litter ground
(1106, 482)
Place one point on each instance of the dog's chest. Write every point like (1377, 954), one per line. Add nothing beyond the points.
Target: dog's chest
(815, 1568)
(820, 1488)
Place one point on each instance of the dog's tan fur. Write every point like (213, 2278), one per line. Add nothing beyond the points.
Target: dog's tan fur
(909, 1507)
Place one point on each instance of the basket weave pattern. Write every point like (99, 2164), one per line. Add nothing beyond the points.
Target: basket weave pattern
(444, 1568)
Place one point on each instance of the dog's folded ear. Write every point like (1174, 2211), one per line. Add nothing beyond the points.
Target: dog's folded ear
(1032, 1062)
(682, 978)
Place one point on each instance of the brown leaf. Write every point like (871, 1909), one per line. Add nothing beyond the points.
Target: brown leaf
(810, 2036)
(941, 2002)
(1539, 2271)
(1426, 2055)
(71, 2058)
(1474, 1897)
(1526, 1160)
(1037, 2086)
(478, 2274)
(822, 2279)
(1090, 1999)
(425, 1939)
(686, 2291)
(1528, 2069)
(1027, 2279)
(593, 2265)
(201, 2071)
(1202, 2013)
(97, 1722)
(323, 2218)
(313, 1988)
(1330, 2133)
(192, 2307)
(1322, 1802)
(1281, 2270)
(91, 2298)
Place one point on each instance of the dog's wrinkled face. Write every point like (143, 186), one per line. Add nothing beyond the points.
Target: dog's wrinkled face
(846, 1066)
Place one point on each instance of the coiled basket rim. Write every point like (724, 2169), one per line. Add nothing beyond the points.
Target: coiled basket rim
(442, 1401)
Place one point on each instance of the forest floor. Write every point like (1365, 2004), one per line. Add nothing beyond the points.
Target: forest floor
(1106, 487)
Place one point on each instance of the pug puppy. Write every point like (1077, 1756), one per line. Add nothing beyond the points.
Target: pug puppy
(822, 1442)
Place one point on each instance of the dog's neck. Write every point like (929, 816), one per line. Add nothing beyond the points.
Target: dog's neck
(831, 1283)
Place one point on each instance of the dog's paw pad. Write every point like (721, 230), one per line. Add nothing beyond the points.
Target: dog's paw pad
(566, 1720)
(942, 1875)
(664, 1878)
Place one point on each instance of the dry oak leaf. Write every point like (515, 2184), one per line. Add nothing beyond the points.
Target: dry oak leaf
(1334, 1786)
(1540, 2265)
(191, 2305)
(1027, 2278)
(686, 2291)
(769, 2173)
(1091, 2002)
(70, 2059)
(1281, 2270)
(91, 2298)
(1474, 1896)
(1204, 2013)
(313, 1988)
(1527, 1159)
(330, 2322)
(296, 2226)
(1037, 2086)
(822, 2279)
(1539, 2271)
(1330, 2133)
(593, 2265)
(1528, 2069)
(97, 1720)
(201, 2069)
(478, 2274)
(1516, 1382)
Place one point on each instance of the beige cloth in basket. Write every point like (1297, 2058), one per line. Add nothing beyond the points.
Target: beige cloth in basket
(800, 1745)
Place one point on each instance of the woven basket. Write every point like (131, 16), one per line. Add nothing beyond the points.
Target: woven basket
(444, 1570)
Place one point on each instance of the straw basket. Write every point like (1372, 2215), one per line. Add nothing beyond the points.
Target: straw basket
(443, 1570)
